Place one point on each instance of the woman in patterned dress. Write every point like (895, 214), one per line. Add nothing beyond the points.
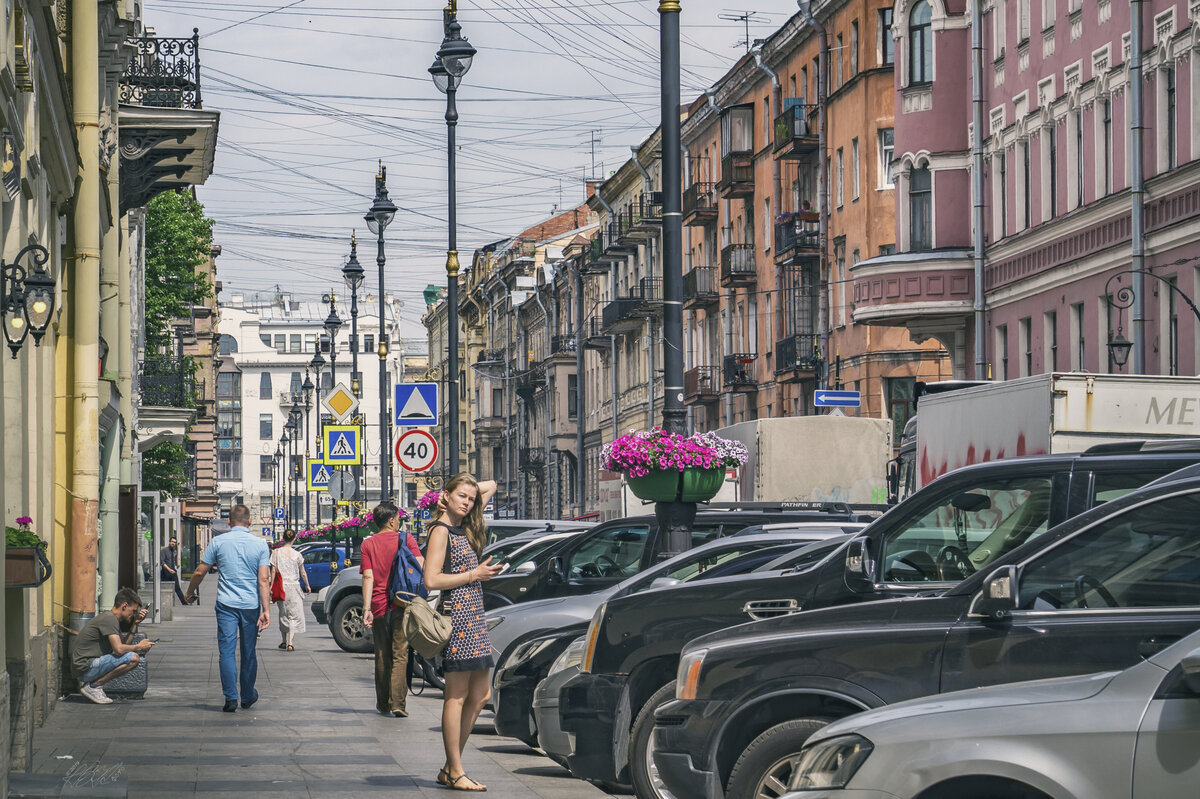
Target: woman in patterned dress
(290, 565)
(456, 537)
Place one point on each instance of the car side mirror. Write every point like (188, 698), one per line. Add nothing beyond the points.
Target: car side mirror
(893, 481)
(860, 566)
(664, 582)
(999, 595)
(528, 567)
(1191, 671)
(554, 569)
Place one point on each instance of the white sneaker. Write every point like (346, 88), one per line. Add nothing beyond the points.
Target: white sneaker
(96, 694)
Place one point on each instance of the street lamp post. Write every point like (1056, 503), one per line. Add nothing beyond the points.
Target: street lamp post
(333, 324)
(307, 391)
(1123, 297)
(453, 61)
(285, 442)
(353, 273)
(275, 488)
(378, 217)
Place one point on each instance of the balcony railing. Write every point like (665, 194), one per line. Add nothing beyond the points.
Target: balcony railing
(167, 382)
(563, 345)
(701, 383)
(797, 353)
(699, 204)
(796, 133)
(646, 213)
(737, 264)
(622, 314)
(738, 371)
(596, 261)
(650, 295)
(700, 287)
(163, 73)
(798, 233)
(530, 381)
(737, 174)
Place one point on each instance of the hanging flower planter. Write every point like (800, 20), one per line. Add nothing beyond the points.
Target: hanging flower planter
(668, 467)
(25, 563)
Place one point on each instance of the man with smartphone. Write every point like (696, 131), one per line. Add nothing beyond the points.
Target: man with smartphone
(102, 651)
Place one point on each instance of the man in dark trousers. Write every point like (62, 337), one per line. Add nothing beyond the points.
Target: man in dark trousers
(243, 603)
(384, 621)
(168, 567)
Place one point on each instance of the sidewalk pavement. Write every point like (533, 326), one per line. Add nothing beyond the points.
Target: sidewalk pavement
(313, 733)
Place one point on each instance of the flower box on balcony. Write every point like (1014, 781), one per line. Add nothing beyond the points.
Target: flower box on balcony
(25, 567)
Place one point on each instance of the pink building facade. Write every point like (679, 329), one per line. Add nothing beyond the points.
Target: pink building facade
(1057, 186)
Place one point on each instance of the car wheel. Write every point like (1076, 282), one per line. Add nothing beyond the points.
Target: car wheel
(646, 782)
(346, 623)
(765, 768)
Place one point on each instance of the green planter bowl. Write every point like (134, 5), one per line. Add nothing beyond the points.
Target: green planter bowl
(690, 485)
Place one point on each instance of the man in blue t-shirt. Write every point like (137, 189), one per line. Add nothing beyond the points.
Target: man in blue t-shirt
(243, 606)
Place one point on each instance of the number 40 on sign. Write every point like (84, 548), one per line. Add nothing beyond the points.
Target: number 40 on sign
(416, 450)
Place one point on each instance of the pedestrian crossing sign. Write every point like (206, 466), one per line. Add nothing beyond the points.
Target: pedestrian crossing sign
(342, 445)
(416, 404)
(319, 475)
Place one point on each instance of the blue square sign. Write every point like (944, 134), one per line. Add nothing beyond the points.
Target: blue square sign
(416, 404)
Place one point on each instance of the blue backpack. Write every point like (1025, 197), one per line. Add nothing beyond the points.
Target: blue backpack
(408, 580)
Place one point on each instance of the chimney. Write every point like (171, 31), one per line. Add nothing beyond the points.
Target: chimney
(591, 187)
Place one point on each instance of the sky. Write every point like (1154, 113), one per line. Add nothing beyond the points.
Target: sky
(314, 93)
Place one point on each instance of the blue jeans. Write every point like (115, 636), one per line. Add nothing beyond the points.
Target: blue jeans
(103, 665)
(232, 623)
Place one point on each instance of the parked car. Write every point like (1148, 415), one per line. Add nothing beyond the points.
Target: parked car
(1114, 735)
(1117, 584)
(917, 547)
(611, 552)
(500, 529)
(319, 564)
(524, 546)
(551, 737)
(555, 622)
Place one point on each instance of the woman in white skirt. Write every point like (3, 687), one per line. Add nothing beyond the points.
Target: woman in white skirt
(290, 565)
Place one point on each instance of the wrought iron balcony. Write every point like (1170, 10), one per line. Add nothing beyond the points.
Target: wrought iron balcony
(738, 371)
(701, 384)
(163, 73)
(797, 353)
(796, 134)
(531, 459)
(798, 235)
(737, 265)
(699, 204)
(563, 345)
(617, 242)
(530, 381)
(623, 315)
(167, 382)
(737, 174)
(595, 337)
(646, 215)
(650, 295)
(700, 287)
(597, 260)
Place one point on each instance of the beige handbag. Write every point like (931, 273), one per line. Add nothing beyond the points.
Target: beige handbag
(427, 630)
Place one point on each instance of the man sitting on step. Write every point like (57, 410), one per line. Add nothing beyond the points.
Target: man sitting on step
(102, 650)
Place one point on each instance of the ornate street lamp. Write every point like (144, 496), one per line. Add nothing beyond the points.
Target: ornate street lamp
(26, 297)
(285, 443)
(353, 273)
(378, 217)
(307, 390)
(333, 324)
(453, 61)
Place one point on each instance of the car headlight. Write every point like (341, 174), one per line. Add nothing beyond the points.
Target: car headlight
(590, 638)
(688, 675)
(830, 763)
(493, 622)
(571, 656)
(526, 651)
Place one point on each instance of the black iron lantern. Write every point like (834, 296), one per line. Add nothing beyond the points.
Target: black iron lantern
(353, 271)
(1119, 347)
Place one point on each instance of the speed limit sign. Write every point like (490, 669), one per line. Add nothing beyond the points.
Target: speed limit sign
(416, 450)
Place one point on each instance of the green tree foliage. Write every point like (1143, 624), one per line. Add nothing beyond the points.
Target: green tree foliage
(178, 238)
(164, 469)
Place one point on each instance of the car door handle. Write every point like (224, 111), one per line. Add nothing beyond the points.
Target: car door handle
(760, 609)
(1149, 647)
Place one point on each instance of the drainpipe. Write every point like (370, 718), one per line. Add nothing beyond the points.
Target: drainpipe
(777, 99)
(108, 555)
(85, 294)
(616, 427)
(977, 182)
(508, 409)
(547, 394)
(822, 176)
(522, 480)
(1137, 188)
(555, 483)
(727, 330)
(579, 403)
(125, 358)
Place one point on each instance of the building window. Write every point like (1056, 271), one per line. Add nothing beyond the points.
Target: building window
(887, 45)
(369, 342)
(900, 403)
(280, 343)
(853, 48)
(297, 346)
(324, 339)
(887, 147)
(310, 342)
(229, 424)
(264, 426)
(854, 168)
(1078, 336)
(998, 15)
(265, 338)
(326, 380)
(1027, 191)
(1047, 14)
(1025, 342)
(841, 177)
(1002, 177)
(264, 385)
(920, 44)
(497, 402)
(228, 345)
(1050, 337)
(920, 196)
(1078, 158)
(1002, 351)
(229, 464)
(297, 384)
(266, 467)
(1052, 169)
(1022, 21)
(837, 64)
(1172, 327)
(887, 249)
(229, 384)
(1107, 136)
(1169, 123)
(572, 397)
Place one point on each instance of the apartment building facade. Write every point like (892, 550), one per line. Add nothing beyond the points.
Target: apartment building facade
(1063, 265)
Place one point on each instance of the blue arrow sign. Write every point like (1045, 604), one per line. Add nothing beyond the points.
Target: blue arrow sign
(416, 404)
(837, 399)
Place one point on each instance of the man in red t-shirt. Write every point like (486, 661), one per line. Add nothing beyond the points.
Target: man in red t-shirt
(391, 647)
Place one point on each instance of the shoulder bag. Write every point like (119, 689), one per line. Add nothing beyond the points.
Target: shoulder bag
(427, 630)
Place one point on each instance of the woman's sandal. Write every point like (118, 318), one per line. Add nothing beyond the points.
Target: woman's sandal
(453, 784)
(291, 648)
(283, 646)
(443, 777)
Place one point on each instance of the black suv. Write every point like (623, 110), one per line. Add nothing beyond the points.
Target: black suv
(611, 552)
(953, 527)
(1097, 593)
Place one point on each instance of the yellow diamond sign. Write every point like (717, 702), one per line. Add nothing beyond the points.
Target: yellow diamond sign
(341, 402)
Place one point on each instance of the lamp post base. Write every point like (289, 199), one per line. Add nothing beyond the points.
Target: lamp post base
(675, 521)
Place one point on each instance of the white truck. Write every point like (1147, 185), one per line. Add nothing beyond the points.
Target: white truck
(1043, 414)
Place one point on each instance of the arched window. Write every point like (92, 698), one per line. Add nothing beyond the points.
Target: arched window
(920, 44)
(264, 386)
(227, 345)
(920, 209)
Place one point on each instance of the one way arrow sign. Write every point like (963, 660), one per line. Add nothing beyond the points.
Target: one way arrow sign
(837, 399)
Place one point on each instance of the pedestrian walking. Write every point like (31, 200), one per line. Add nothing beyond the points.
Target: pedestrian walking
(456, 539)
(168, 567)
(384, 620)
(289, 565)
(243, 603)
